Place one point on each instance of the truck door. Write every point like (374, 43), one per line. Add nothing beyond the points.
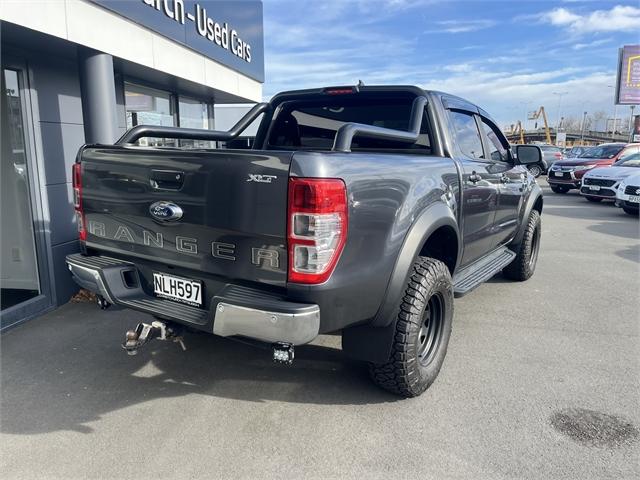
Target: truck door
(511, 182)
(479, 186)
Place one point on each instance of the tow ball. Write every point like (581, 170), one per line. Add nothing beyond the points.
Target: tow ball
(145, 332)
(283, 353)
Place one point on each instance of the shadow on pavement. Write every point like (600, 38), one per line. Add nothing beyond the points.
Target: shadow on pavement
(630, 253)
(67, 369)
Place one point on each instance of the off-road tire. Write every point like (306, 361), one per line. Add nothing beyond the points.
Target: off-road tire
(593, 199)
(559, 189)
(631, 211)
(428, 295)
(523, 266)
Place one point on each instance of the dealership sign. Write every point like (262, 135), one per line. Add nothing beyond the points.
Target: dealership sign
(227, 31)
(628, 85)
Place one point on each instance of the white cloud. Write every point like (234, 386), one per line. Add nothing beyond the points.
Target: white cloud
(504, 94)
(462, 26)
(618, 19)
(595, 43)
(458, 67)
(353, 41)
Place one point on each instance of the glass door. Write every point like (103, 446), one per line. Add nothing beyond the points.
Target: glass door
(19, 280)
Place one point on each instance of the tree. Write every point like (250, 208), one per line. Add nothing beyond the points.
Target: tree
(571, 124)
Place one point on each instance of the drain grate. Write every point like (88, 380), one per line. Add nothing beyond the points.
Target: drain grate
(594, 429)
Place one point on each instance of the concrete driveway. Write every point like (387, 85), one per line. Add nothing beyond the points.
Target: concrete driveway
(541, 381)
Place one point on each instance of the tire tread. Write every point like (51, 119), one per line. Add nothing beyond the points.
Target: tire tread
(400, 374)
(519, 268)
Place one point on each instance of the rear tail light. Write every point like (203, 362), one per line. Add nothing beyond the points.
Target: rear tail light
(77, 201)
(558, 155)
(317, 228)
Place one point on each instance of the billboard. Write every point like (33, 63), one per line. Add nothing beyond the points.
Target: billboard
(628, 84)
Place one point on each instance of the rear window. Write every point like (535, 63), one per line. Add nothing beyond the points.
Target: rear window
(313, 125)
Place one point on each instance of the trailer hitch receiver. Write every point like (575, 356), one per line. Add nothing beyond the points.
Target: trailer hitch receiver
(283, 353)
(145, 332)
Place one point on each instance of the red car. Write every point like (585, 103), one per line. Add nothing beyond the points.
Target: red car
(565, 175)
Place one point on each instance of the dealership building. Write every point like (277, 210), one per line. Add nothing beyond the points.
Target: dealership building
(83, 71)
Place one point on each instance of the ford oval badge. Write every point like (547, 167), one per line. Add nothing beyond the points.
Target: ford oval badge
(165, 211)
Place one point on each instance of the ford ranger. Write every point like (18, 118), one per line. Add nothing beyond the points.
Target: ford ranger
(358, 210)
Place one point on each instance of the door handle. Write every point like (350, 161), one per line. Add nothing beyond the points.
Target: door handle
(474, 177)
(166, 179)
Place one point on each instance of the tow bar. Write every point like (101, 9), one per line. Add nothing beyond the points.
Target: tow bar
(144, 332)
(283, 353)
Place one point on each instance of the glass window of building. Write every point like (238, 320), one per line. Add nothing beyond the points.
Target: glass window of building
(148, 106)
(19, 280)
(193, 113)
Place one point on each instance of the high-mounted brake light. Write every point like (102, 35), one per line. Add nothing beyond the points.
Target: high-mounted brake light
(317, 228)
(338, 91)
(77, 200)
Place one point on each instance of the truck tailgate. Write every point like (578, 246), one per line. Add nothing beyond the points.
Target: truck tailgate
(233, 209)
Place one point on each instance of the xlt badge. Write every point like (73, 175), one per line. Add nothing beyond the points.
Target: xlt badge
(254, 177)
(165, 211)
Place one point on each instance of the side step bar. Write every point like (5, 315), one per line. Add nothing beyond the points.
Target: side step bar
(480, 271)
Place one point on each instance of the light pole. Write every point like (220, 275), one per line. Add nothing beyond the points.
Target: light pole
(584, 121)
(615, 113)
(526, 112)
(560, 95)
(630, 127)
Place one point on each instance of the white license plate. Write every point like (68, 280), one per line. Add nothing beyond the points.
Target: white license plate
(177, 289)
(634, 198)
(558, 174)
(595, 188)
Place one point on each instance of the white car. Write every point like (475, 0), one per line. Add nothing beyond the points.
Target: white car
(628, 194)
(602, 183)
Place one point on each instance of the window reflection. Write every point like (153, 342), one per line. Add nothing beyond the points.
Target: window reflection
(19, 273)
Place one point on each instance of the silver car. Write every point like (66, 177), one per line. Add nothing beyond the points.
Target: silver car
(550, 154)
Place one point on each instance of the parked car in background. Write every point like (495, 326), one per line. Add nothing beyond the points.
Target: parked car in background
(602, 183)
(550, 154)
(575, 152)
(567, 174)
(628, 194)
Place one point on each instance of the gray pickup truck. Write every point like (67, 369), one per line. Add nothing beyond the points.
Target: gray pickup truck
(359, 210)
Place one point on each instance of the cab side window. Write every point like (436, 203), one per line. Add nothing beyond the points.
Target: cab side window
(467, 134)
(497, 148)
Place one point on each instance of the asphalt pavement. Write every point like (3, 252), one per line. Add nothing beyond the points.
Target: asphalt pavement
(541, 381)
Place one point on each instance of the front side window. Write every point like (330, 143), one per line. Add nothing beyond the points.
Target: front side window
(467, 134)
(497, 149)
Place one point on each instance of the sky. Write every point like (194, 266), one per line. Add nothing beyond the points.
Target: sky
(509, 57)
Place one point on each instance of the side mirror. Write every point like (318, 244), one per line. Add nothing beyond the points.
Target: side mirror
(528, 154)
